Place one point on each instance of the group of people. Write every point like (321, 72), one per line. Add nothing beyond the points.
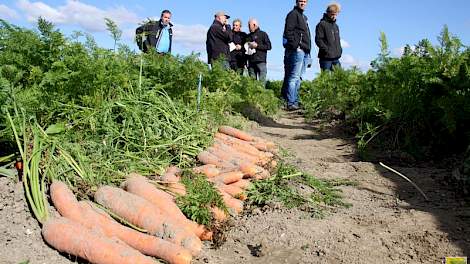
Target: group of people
(238, 50)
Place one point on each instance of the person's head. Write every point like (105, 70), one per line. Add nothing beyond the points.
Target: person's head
(221, 17)
(302, 4)
(237, 25)
(165, 17)
(333, 10)
(253, 24)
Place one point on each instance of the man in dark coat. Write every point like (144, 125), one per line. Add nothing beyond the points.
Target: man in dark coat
(328, 39)
(297, 44)
(219, 36)
(237, 56)
(259, 41)
(156, 34)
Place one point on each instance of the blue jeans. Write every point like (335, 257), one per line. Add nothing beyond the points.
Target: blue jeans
(295, 64)
(258, 71)
(327, 65)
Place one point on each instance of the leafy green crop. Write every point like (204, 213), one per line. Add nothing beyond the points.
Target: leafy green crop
(412, 102)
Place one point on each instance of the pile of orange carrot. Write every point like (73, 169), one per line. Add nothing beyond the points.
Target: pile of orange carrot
(231, 163)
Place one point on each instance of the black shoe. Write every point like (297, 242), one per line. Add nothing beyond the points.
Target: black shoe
(293, 108)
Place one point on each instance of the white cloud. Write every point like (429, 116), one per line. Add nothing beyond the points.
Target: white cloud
(347, 60)
(191, 37)
(345, 44)
(73, 12)
(7, 13)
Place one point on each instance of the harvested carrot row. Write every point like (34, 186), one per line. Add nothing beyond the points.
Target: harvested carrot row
(259, 143)
(234, 205)
(139, 186)
(235, 153)
(91, 217)
(147, 244)
(217, 213)
(260, 159)
(208, 158)
(72, 238)
(235, 133)
(238, 144)
(228, 177)
(234, 191)
(142, 213)
(171, 178)
(209, 170)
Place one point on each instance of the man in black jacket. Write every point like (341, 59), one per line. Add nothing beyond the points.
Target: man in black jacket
(259, 41)
(328, 40)
(237, 56)
(156, 34)
(219, 36)
(297, 44)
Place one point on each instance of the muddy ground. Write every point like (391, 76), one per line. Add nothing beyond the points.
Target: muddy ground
(389, 221)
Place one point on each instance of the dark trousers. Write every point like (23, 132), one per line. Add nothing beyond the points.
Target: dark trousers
(258, 71)
(329, 65)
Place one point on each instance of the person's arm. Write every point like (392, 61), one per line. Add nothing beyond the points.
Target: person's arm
(320, 37)
(289, 28)
(265, 44)
(221, 34)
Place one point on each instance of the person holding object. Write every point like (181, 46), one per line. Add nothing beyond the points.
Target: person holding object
(219, 36)
(297, 44)
(259, 41)
(237, 56)
(328, 39)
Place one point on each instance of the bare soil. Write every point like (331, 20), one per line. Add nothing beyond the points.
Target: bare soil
(389, 221)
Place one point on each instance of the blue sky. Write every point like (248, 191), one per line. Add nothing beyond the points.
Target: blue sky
(361, 21)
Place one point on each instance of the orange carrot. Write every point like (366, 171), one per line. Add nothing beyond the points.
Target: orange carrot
(208, 170)
(139, 186)
(171, 178)
(244, 184)
(147, 244)
(234, 191)
(235, 133)
(91, 217)
(242, 146)
(171, 174)
(72, 238)
(208, 158)
(228, 177)
(243, 156)
(234, 205)
(64, 201)
(142, 213)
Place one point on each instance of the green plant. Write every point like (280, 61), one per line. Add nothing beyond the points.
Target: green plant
(286, 184)
(201, 195)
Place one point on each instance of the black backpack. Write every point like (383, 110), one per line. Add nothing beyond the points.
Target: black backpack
(146, 35)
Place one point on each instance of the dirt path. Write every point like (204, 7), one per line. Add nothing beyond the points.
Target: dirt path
(389, 222)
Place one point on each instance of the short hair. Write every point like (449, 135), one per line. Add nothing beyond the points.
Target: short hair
(237, 20)
(166, 11)
(253, 20)
(333, 7)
